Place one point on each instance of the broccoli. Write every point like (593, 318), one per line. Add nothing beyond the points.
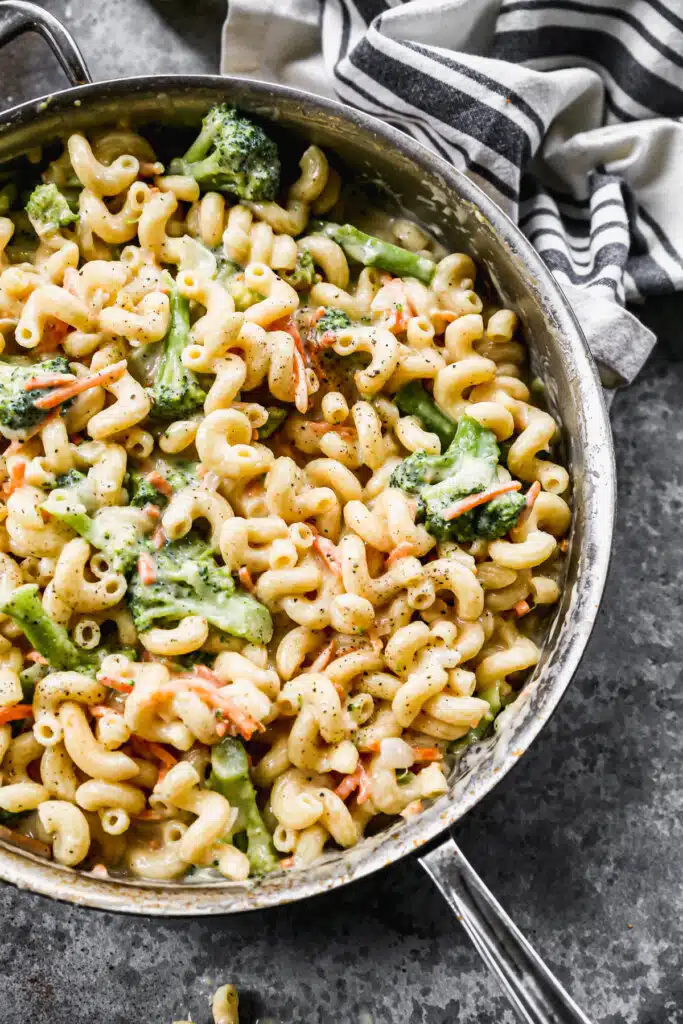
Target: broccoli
(47, 637)
(333, 320)
(48, 210)
(230, 777)
(73, 480)
(231, 154)
(276, 417)
(18, 410)
(117, 532)
(486, 724)
(373, 252)
(190, 582)
(303, 275)
(176, 392)
(414, 400)
(468, 466)
(177, 474)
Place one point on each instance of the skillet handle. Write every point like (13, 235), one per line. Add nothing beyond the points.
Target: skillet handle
(17, 17)
(533, 990)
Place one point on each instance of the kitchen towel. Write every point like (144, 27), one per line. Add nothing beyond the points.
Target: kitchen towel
(566, 112)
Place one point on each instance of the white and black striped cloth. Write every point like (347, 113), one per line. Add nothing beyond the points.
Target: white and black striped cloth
(566, 112)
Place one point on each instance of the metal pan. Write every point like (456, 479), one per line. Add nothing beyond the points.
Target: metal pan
(442, 197)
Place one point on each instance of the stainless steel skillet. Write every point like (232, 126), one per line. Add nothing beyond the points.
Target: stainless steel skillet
(444, 199)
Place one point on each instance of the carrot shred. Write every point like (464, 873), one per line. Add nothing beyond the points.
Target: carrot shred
(364, 784)
(204, 672)
(531, 496)
(474, 500)
(48, 381)
(163, 755)
(521, 608)
(301, 387)
(158, 539)
(16, 480)
(160, 482)
(100, 710)
(53, 336)
(287, 862)
(564, 546)
(149, 815)
(329, 554)
(15, 713)
(427, 754)
(37, 657)
(245, 579)
(104, 377)
(152, 511)
(348, 785)
(403, 550)
(147, 570)
(120, 685)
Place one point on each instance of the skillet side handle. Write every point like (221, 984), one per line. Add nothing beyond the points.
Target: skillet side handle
(532, 989)
(17, 17)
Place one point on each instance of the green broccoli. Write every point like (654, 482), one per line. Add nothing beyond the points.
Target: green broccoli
(486, 724)
(117, 532)
(414, 400)
(332, 320)
(178, 474)
(373, 252)
(45, 636)
(190, 582)
(231, 154)
(73, 480)
(303, 275)
(276, 417)
(468, 466)
(230, 777)
(18, 410)
(48, 210)
(176, 393)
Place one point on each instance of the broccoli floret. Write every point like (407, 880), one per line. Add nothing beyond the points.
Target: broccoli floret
(486, 724)
(414, 400)
(276, 417)
(72, 480)
(18, 410)
(231, 154)
(468, 466)
(117, 532)
(176, 392)
(333, 320)
(230, 777)
(45, 636)
(48, 210)
(177, 474)
(303, 275)
(188, 581)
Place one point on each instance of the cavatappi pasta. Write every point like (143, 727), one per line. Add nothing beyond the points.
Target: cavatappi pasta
(280, 518)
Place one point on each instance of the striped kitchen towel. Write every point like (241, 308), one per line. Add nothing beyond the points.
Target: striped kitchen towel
(566, 112)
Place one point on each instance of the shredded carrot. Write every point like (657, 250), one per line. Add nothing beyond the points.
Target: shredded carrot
(147, 570)
(221, 728)
(287, 862)
(204, 672)
(323, 659)
(8, 835)
(364, 784)
(16, 713)
(160, 482)
(446, 314)
(150, 815)
(163, 755)
(120, 685)
(53, 336)
(564, 546)
(531, 496)
(158, 539)
(521, 608)
(467, 504)
(52, 380)
(104, 377)
(241, 719)
(99, 871)
(416, 807)
(329, 554)
(37, 657)
(245, 579)
(301, 386)
(16, 478)
(348, 785)
(427, 754)
(374, 747)
(403, 550)
(152, 511)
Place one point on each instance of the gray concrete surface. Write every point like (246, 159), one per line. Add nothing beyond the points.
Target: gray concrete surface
(582, 843)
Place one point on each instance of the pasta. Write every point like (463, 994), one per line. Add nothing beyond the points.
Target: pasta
(280, 521)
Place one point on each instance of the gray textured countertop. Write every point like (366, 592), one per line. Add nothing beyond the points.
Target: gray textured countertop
(582, 843)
